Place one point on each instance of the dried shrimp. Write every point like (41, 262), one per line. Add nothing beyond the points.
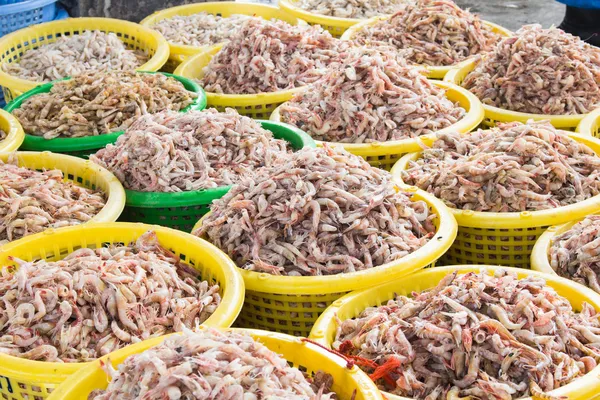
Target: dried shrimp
(74, 55)
(32, 201)
(352, 8)
(270, 56)
(174, 152)
(317, 212)
(372, 96)
(210, 364)
(431, 32)
(95, 301)
(540, 71)
(474, 336)
(95, 103)
(514, 167)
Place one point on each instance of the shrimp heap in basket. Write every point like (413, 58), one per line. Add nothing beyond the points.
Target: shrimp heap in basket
(431, 32)
(511, 168)
(32, 201)
(539, 71)
(95, 301)
(372, 96)
(352, 8)
(175, 152)
(317, 212)
(210, 364)
(474, 336)
(269, 57)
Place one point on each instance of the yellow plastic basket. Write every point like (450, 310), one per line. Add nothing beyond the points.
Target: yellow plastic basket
(221, 8)
(434, 72)
(335, 25)
(259, 105)
(135, 36)
(590, 124)
(540, 255)
(81, 172)
(291, 304)
(25, 379)
(352, 305)
(385, 154)
(303, 355)
(14, 132)
(494, 115)
(505, 238)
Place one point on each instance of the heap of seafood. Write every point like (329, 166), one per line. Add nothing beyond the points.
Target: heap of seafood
(75, 54)
(431, 32)
(268, 56)
(372, 96)
(32, 201)
(352, 8)
(175, 152)
(95, 103)
(540, 71)
(95, 301)
(474, 336)
(574, 254)
(200, 365)
(514, 167)
(201, 29)
(317, 212)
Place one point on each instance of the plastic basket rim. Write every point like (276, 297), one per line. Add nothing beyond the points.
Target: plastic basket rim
(233, 99)
(427, 254)
(226, 313)
(14, 136)
(470, 121)
(327, 318)
(437, 71)
(587, 123)
(365, 385)
(320, 19)
(186, 49)
(24, 6)
(139, 199)
(156, 61)
(115, 193)
(517, 220)
(540, 252)
(38, 143)
(492, 112)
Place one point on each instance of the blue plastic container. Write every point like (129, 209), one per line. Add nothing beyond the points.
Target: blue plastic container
(25, 13)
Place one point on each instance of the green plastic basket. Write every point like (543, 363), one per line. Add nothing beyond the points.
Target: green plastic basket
(183, 209)
(84, 146)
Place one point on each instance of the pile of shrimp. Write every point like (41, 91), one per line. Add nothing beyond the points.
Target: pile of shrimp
(431, 32)
(317, 212)
(211, 364)
(178, 152)
(201, 29)
(540, 71)
(3, 134)
(474, 336)
(95, 301)
(268, 56)
(574, 254)
(96, 103)
(511, 168)
(32, 201)
(75, 54)
(372, 96)
(352, 8)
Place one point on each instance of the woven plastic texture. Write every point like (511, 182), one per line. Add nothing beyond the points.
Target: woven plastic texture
(347, 383)
(494, 115)
(335, 25)
(134, 36)
(179, 52)
(433, 72)
(14, 132)
(291, 304)
(352, 305)
(590, 125)
(182, 210)
(385, 154)
(505, 238)
(22, 379)
(84, 146)
(257, 106)
(18, 15)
